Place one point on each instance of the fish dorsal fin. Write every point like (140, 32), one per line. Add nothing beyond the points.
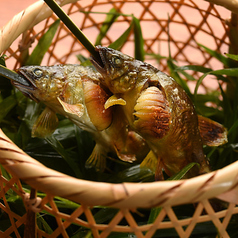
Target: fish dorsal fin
(212, 133)
(75, 109)
(46, 124)
(113, 100)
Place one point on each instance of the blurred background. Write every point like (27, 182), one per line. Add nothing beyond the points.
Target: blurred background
(9, 8)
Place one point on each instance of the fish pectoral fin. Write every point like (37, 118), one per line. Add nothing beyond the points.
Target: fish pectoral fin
(113, 100)
(212, 133)
(46, 124)
(76, 109)
(150, 161)
(97, 159)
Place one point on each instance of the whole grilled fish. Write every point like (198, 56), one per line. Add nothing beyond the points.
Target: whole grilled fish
(74, 91)
(158, 109)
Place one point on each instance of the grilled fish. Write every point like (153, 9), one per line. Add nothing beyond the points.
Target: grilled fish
(158, 109)
(74, 91)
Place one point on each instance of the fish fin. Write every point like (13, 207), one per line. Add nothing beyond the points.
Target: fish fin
(46, 124)
(150, 161)
(113, 100)
(76, 109)
(212, 133)
(97, 159)
(125, 157)
(159, 170)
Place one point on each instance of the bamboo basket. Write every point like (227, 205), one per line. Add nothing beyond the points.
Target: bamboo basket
(126, 197)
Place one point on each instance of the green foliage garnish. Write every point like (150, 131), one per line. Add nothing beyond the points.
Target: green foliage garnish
(43, 45)
(110, 19)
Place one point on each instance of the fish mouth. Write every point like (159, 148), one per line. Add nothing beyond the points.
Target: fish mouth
(25, 85)
(100, 66)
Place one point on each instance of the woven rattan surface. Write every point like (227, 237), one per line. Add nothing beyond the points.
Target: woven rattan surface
(126, 198)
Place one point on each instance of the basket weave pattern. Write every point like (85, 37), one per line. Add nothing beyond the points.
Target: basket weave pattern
(126, 198)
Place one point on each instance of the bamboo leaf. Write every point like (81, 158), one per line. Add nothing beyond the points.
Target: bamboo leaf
(224, 60)
(196, 68)
(139, 41)
(183, 172)
(227, 72)
(43, 45)
(177, 77)
(2, 60)
(110, 19)
(7, 105)
(68, 157)
(117, 44)
(199, 83)
(155, 211)
(133, 174)
(231, 56)
(43, 225)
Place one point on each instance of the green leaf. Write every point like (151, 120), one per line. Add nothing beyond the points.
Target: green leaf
(177, 77)
(231, 56)
(196, 68)
(7, 105)
(65, 203)
(139, 41)
(105, 215)
(43, 45)
(68, 157)
(227, 72)
(2, 60)
(133, 174)
(155, 211)
(5, 174)
(43, 225)
(118, 43)
(84, 60)
(224, 60)
(110, 19)
(199, 83)
(183, 171)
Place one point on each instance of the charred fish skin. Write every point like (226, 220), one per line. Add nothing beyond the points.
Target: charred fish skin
(157, 108)
(75, 92)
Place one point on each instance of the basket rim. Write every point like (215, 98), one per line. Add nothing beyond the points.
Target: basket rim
(121, 195)
(124, 195)
(25, 20)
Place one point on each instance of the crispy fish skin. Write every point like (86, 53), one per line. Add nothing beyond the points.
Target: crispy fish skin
(158, 109)
(74, 91)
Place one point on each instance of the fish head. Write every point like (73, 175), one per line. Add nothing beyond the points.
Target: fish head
(45, 83)
(118, 70)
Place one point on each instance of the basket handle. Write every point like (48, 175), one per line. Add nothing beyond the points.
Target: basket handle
(25, 20)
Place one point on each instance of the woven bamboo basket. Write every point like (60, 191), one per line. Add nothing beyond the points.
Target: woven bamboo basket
(126, 197)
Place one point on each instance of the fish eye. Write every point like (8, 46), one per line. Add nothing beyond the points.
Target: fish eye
(116, 61)
(38, 72)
